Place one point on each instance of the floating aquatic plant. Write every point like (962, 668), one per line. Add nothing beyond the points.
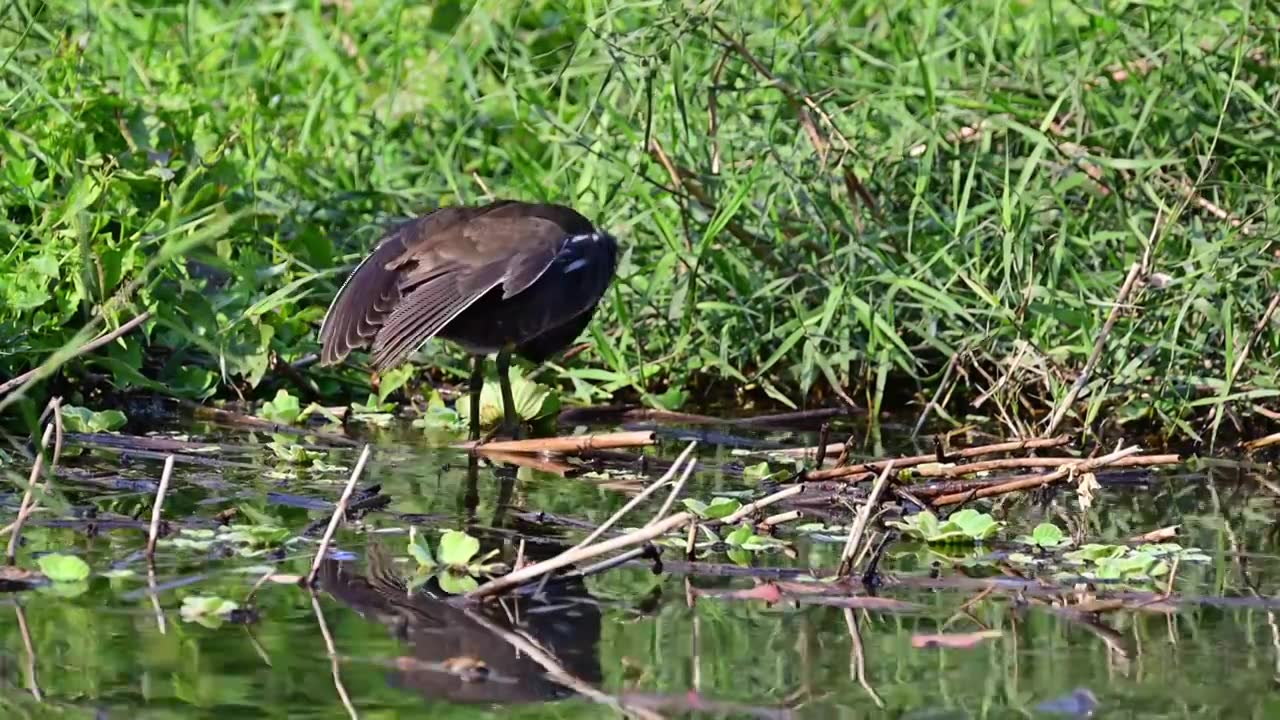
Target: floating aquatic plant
(532, 401)
(454, 564)
(961, 527)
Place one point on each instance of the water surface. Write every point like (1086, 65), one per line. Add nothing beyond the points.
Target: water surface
(669, 642)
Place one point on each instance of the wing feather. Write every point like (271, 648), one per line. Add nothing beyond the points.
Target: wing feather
(428, 271)
(422, 314)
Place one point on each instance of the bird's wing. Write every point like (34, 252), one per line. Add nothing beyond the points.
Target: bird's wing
(429, 271)
(373, 290)
(363, 302)
(455, 271)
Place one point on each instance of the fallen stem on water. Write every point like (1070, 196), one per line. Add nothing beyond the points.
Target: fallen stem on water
(860, 523)
(153, 533)
(571, 444)
(639, 498)
(338, 513)
(913, 460)
(1034, 481)
(573, 555)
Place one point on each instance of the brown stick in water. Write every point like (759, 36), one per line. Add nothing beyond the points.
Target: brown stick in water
(338, 513)
(153, 533)
(1037, 480)
(913, 460)
(569, 444)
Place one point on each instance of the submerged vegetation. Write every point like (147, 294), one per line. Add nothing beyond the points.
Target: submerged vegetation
(952, 205)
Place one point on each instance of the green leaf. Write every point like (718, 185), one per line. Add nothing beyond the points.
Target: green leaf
(254, 536)
(756, 473)
(393, 379)
(188, 543)
(419, 578)
(964, 526)
(456, 583)
(1094, 552)
(283, 408)
(672, 399)
(84, 420)
(457, 548)
(739, 537)
(977, 525)
(63, 568)
(293, 452)
(207, 610)
(65, 589)
(420, 550)
(695, 506)
(719, 507)
(530, 399)
(258, 517)
(740, 556)
(1045, 535)
(722, 507)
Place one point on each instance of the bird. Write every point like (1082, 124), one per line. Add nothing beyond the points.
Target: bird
(506, 277)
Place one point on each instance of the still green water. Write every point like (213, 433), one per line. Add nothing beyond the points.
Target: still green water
(114, 649)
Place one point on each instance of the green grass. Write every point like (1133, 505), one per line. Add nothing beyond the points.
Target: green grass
(225, 163)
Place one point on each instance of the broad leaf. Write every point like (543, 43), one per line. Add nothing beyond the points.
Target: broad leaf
(63, 568)
(457, 548)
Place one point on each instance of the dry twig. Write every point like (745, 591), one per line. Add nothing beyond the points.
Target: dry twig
(914, 460)
(1083, 379)
(47, 366)
(1034, 481)
(25, 508)
(156, 509)
(570, 444)
(338, 513)
(1036, 462)
(574, 555)
(860, 523)
(639, 498)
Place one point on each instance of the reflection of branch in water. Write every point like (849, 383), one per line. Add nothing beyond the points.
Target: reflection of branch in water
(530, 647)
(857, 661)
(30, 668)
(333, 656)
(453, 655)
(154, 594)
(1112, 638)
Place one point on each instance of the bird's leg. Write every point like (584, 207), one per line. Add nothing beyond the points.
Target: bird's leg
(510, 423)
(477, 384)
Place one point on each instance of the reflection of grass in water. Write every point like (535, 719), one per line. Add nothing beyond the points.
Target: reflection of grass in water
(744, 650)
(226, 173)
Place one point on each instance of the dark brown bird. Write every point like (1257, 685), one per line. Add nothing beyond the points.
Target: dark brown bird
(499, 278)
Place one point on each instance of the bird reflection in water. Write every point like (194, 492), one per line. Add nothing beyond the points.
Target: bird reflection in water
(495, 653)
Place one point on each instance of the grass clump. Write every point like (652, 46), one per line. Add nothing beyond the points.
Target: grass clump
(814, 201)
